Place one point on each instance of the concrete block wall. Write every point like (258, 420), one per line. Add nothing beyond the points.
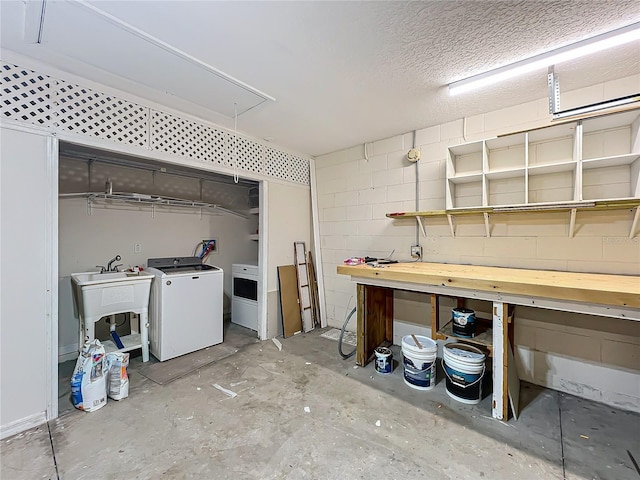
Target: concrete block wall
(593, 357)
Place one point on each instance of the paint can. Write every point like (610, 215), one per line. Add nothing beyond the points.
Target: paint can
(464, 322)
(419, 360)
(384, 360)
(464, 369)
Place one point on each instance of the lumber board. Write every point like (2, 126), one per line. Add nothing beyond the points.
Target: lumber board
(592, 288)
(291, 318)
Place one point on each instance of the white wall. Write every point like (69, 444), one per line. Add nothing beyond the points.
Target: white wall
(289, 220)
(25, 276)
(593, 357)
(87, 240)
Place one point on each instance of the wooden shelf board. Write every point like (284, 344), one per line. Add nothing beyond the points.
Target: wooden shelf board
(472, 177)
(483, 338)
(613, 161)
(614, 204)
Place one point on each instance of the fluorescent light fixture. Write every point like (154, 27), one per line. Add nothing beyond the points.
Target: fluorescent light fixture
(569, 52)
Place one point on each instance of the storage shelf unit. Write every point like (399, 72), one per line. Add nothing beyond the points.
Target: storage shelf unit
(592, 163)
(591, 159)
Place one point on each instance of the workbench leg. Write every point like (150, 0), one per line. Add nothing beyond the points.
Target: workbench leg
(375, 321)
(361, 337)
(435, 315)
(500, 404)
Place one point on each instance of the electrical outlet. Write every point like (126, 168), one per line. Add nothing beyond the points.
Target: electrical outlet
(137, 248)
(416, 251)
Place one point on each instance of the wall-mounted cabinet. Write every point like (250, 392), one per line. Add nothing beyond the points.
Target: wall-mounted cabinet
(591, 159)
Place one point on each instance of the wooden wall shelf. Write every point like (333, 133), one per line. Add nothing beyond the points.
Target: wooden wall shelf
(571, 207)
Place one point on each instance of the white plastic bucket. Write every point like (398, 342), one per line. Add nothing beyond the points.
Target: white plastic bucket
(419, 363)
(464, 369)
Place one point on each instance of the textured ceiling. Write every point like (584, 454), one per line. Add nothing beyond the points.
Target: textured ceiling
(345, 73)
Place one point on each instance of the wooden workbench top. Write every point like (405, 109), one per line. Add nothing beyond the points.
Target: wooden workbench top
(601, 289)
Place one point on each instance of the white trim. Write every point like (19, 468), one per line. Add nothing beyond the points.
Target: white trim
(317, 251)
(23, 127)
(51, 254)
(17, 426)
(263, 259)
(498, 360)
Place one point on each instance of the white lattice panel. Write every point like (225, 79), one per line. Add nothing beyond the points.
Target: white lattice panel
(25, 96)
(177, 136)
(248, 155)
(298, 169)
(83, 111)
(275, 162)
(286, 166)
(37, 99)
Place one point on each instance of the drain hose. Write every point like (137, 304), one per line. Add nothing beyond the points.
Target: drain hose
(344, 327)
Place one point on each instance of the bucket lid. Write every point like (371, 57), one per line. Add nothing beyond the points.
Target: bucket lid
(382, 351)
(463, 310)
(463, 350)
(428, 345)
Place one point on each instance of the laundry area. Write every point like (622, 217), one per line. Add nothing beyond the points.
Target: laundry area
(417, 257)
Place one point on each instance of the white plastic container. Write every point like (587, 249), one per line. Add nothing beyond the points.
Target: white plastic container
(464, 368)
(419, 363)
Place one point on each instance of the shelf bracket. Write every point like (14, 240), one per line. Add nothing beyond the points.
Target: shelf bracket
(451, 225)
(553, 83)
(421, 225)
(487, 225)
(572, 222)
(634, 224)
(89, 206)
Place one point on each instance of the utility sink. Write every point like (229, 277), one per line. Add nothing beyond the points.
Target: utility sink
(97, 278)
(100, 294)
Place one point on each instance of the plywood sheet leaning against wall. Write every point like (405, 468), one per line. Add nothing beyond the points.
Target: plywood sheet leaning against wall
(288, 286)
(315, 298)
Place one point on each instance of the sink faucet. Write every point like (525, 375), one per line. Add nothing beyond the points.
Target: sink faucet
(117, 258)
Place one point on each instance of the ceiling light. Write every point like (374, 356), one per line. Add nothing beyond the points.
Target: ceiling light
(569, 52)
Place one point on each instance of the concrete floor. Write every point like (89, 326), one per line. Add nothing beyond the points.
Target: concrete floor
(303, 413)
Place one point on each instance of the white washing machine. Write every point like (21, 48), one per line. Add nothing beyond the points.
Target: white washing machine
(185, 308)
